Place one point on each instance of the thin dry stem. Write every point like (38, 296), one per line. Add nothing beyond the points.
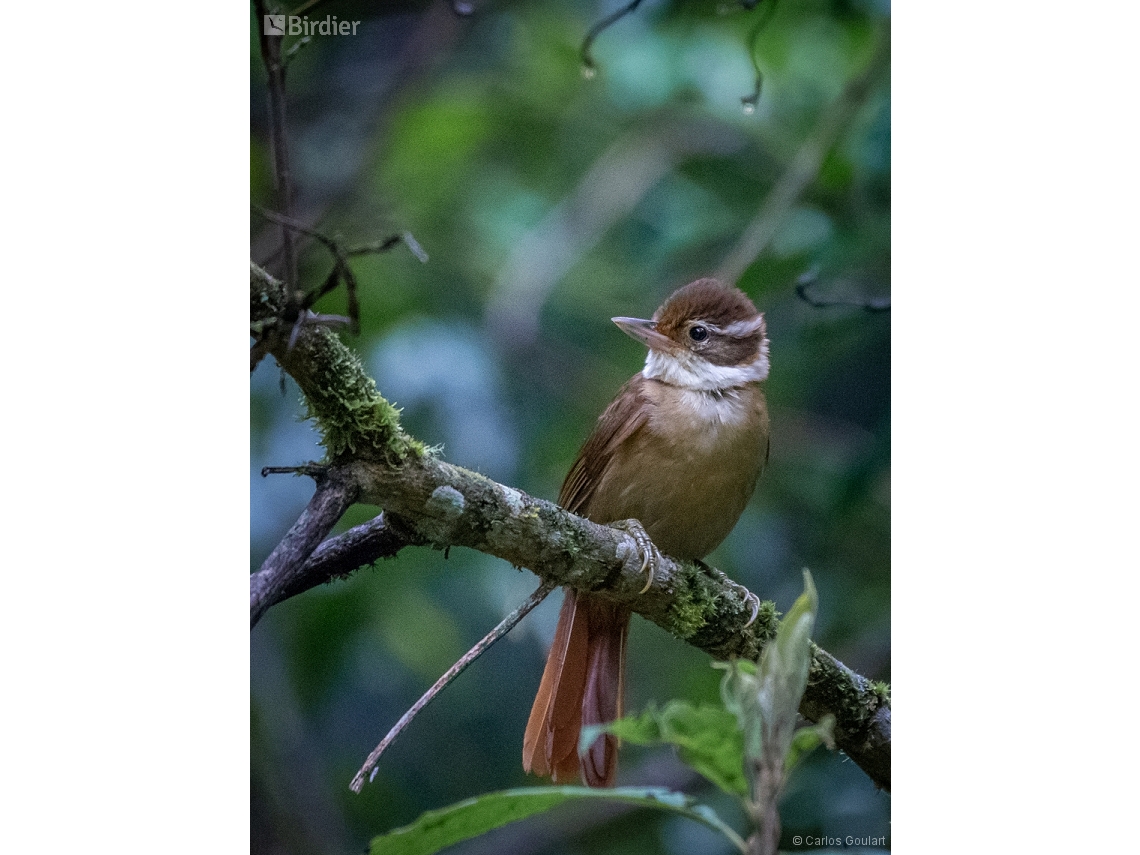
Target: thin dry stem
(506, 625)
(805, 166)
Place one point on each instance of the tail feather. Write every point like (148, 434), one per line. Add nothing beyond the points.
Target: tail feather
(604, 697)
(583, 684)
(565, 669)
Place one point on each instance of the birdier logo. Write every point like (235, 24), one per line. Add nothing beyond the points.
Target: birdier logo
(296, 25)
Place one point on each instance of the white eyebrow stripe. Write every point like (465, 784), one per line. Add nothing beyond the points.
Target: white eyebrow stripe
(743, 329)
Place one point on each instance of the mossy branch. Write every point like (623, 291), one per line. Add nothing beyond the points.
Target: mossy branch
(445, 505)
(351, 415)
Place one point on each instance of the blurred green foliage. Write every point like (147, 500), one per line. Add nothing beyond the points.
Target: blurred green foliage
(436, 830)
(547, 204)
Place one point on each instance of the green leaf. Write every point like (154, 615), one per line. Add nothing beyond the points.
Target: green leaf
(437, 829)
(740, 692)
(783, 674)
(766, 701)
(807, 739)
(707, 739)
(792, 647)
(636, 729)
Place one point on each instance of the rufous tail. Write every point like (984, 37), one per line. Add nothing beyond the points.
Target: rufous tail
(583, 684)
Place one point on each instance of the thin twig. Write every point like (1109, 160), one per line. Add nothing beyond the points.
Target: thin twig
(291, 54)
(596, 30)
(334, 246)
(414, 245)
(340, 271)
(871, 304)
(313, 470)
(376, 247)
(287, 222)
(312, 319)
(804, 168)
(750, 101)
(282, 173)
(506, 625)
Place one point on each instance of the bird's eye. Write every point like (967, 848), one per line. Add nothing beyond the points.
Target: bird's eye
(698, 333)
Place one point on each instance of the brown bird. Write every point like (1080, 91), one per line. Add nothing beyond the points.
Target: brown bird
(675, 456)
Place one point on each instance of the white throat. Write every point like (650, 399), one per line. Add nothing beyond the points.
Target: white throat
(690, 371)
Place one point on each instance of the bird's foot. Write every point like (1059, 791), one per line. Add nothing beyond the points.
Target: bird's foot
(650, 557)
(753, 600)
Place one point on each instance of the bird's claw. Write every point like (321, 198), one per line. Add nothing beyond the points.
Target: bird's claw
(753, 600)
(645, 547)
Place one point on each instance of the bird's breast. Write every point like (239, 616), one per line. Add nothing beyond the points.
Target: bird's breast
(689, 471)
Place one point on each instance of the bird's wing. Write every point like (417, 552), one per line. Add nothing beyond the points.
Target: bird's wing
(625, 415)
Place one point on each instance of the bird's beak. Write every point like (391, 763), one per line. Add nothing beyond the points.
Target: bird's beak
(645, 332)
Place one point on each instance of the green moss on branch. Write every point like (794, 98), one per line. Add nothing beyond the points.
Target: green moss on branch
(351, 414)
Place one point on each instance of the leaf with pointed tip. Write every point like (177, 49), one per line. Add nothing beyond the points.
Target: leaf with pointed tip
(437, 829)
